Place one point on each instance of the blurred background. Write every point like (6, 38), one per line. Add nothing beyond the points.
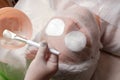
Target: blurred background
(7, 3)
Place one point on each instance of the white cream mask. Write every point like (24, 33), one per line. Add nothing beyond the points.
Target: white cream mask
(75, 41)
(55, 27)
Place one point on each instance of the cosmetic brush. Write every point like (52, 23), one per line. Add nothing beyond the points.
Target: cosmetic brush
(10, 35)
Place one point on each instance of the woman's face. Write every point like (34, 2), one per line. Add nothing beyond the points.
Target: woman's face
(60, 34)
(67, 36)
(71, 59)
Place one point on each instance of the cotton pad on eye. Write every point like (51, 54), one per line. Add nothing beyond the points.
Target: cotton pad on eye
(75, 41)
(55, 27)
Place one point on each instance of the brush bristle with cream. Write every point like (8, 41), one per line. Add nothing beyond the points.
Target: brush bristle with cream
(10, 35)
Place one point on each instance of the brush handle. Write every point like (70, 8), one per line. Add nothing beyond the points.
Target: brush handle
(27, 41)
(11, 35)
(33, 43)
(38, 45)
